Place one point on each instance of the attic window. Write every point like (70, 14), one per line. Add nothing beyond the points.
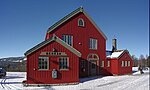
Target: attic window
(81, 22)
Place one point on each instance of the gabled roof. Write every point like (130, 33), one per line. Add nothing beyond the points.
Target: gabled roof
(54, 38)
(116, 54)
(75, 12)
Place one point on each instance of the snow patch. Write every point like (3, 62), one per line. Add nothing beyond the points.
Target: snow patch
(115, 54)
(137, 81)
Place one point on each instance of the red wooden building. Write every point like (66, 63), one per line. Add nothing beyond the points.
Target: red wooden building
(74, 47)
(118, 61)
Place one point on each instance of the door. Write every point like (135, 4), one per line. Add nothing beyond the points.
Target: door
(93, 68)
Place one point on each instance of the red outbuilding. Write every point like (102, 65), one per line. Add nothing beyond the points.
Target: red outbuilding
(118, 61)
(74, 47)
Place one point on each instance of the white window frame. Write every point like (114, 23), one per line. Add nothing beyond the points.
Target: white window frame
(108, 63)
(64, 58)
(68, 39)
(128, 63)
(102, 63)
(93, 43)
(92, 56)
(80, 19)
(122, 63)
(45, 59)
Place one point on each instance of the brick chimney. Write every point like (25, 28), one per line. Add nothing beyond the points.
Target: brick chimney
(114, 44)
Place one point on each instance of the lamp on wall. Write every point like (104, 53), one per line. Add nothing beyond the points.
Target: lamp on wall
(80, 43)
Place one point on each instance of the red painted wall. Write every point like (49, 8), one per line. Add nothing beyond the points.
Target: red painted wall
(45, 77)
(116, 68)
(82, 35)
(108, 69)
(125, 70)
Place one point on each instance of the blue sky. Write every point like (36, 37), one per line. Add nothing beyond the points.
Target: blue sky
(23, 23)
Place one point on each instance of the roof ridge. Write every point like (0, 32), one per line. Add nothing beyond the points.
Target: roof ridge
(121, 50)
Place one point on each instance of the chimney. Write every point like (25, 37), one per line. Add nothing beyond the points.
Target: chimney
(114, 44)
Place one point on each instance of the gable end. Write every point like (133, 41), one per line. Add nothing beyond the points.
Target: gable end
(75, 12)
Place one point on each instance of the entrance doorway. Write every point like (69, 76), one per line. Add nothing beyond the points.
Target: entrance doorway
(93, 60)
(92, 68)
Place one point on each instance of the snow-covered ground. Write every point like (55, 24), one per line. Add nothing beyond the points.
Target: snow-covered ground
(13, 81)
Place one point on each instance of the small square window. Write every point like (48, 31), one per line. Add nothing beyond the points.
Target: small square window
(108, 63)
(102, 63)
(128, 63)
(93, 43)
(63, 63)
(43, 63)
(68, 39)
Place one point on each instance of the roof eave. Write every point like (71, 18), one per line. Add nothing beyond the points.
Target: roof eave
(57, 39)
(100, 31)
(50, 29)
(111, 58)
(68, 47)
(38, 46)
(124, 51)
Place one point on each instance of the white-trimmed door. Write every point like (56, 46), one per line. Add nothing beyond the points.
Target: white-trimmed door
(93, 68)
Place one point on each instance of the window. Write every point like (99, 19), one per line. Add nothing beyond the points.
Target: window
(128, 63)
(125, 63)
(108, 63)
(81, 22)
(93, 43)
(102, 64)
(43, 63)
(122, 63)
(68, 39)
(63, 63)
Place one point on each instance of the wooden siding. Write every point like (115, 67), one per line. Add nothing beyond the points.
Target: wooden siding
(81, 35)
(125, 69)
(116, 68)
(45, 77)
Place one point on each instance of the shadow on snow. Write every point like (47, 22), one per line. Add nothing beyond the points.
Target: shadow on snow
(82, 80)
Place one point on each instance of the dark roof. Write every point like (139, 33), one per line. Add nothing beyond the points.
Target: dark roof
(54, 38)
(108, 53)
(75, 12)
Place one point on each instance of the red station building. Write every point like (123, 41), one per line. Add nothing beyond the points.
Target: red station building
(74, 47)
